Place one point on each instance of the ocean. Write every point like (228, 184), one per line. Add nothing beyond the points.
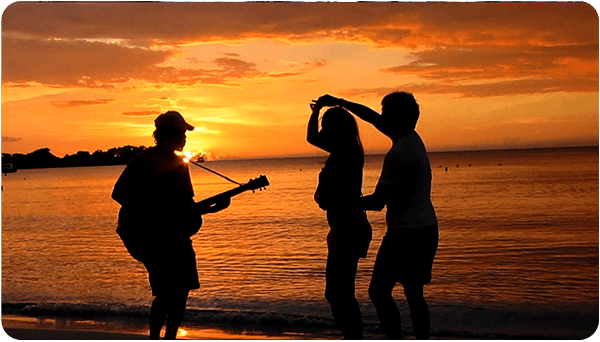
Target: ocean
(518, 252)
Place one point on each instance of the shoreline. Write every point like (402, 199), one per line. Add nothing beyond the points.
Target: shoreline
(69, 328)
(32, 328)
(44, 328)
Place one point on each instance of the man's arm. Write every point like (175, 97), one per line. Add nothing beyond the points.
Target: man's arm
(208, 208)
(378, 199)
(312, 132)
(362, 111)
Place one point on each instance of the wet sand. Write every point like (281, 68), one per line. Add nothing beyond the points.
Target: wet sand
(28, 328)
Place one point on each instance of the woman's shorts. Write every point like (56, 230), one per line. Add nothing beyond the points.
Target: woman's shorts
(350, 232)
(406, 255)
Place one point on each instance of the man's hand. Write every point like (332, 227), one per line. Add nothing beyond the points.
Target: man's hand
(220, 205)
(315, 106)
(329, 101)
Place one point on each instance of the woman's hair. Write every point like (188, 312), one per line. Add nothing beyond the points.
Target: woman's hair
(341, 128)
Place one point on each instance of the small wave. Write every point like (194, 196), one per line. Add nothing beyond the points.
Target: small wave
(234, 320)
(76, 310)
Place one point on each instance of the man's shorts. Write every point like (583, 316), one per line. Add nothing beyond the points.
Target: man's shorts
(406, 255)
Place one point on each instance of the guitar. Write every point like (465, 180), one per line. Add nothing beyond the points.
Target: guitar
(193, 224)
(254, 184)
(136, 239)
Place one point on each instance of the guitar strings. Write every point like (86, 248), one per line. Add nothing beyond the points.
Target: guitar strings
(215, 172)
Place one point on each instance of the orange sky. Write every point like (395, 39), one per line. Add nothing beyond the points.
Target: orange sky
(91, 76)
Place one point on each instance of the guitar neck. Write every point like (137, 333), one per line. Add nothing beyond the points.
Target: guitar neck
(256, 183)
(228, 193)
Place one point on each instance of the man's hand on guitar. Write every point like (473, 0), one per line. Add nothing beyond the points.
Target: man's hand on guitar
(222, 200)
(219, 205)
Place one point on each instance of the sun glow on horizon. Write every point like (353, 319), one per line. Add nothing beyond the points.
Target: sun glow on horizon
(187, 156)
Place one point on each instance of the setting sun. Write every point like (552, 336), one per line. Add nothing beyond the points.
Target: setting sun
(187, 156)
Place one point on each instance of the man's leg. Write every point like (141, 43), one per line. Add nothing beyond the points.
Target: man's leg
(176, 310)
(158, 315)
(419, 311)
(426, 241)
(380, 292)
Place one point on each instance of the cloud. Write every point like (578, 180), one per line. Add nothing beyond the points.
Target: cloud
(163, 23)
(317, 63)
(234, 67)
(490, 70)
(302, 68)
(486, 89)
(226, 69)
(285, 74)
(509, 87)
(402, 24)
(76, 103)
(10, 139)
(492, 62)
(406, 24)
(70, 63)
(470, 49)
(533, 120)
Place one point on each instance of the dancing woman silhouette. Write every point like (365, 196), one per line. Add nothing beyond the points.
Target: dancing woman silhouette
(338, 193)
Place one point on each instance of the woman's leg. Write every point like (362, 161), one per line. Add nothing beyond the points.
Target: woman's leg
(339, 291)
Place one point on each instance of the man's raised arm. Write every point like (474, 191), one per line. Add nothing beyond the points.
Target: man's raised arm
(362, 111)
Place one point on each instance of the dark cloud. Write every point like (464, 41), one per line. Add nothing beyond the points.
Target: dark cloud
(510, 87)
(285, 74)
(488, 71)
(402, 23)
(74, 63)
(225, 71)
(497, 88)
(10, 139)
(237, 68)
(457, 47)
(492, 62)
(101, 65)
(181, 22)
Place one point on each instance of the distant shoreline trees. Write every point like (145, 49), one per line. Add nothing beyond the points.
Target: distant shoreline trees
(42, 158)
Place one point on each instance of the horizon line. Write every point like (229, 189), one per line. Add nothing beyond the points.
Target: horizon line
(382, 152)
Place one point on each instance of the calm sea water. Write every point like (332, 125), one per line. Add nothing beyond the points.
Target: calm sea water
(518, 251)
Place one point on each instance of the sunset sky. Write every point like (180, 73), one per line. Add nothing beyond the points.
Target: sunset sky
(91, 76)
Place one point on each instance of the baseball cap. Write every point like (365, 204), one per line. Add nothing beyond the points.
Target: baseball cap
(174, 119)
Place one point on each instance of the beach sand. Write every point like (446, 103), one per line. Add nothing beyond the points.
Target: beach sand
(30, 328)
(44, 328)
(62, 334)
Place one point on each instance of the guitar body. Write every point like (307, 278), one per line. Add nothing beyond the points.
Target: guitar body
(134, 233)
(142, 233)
